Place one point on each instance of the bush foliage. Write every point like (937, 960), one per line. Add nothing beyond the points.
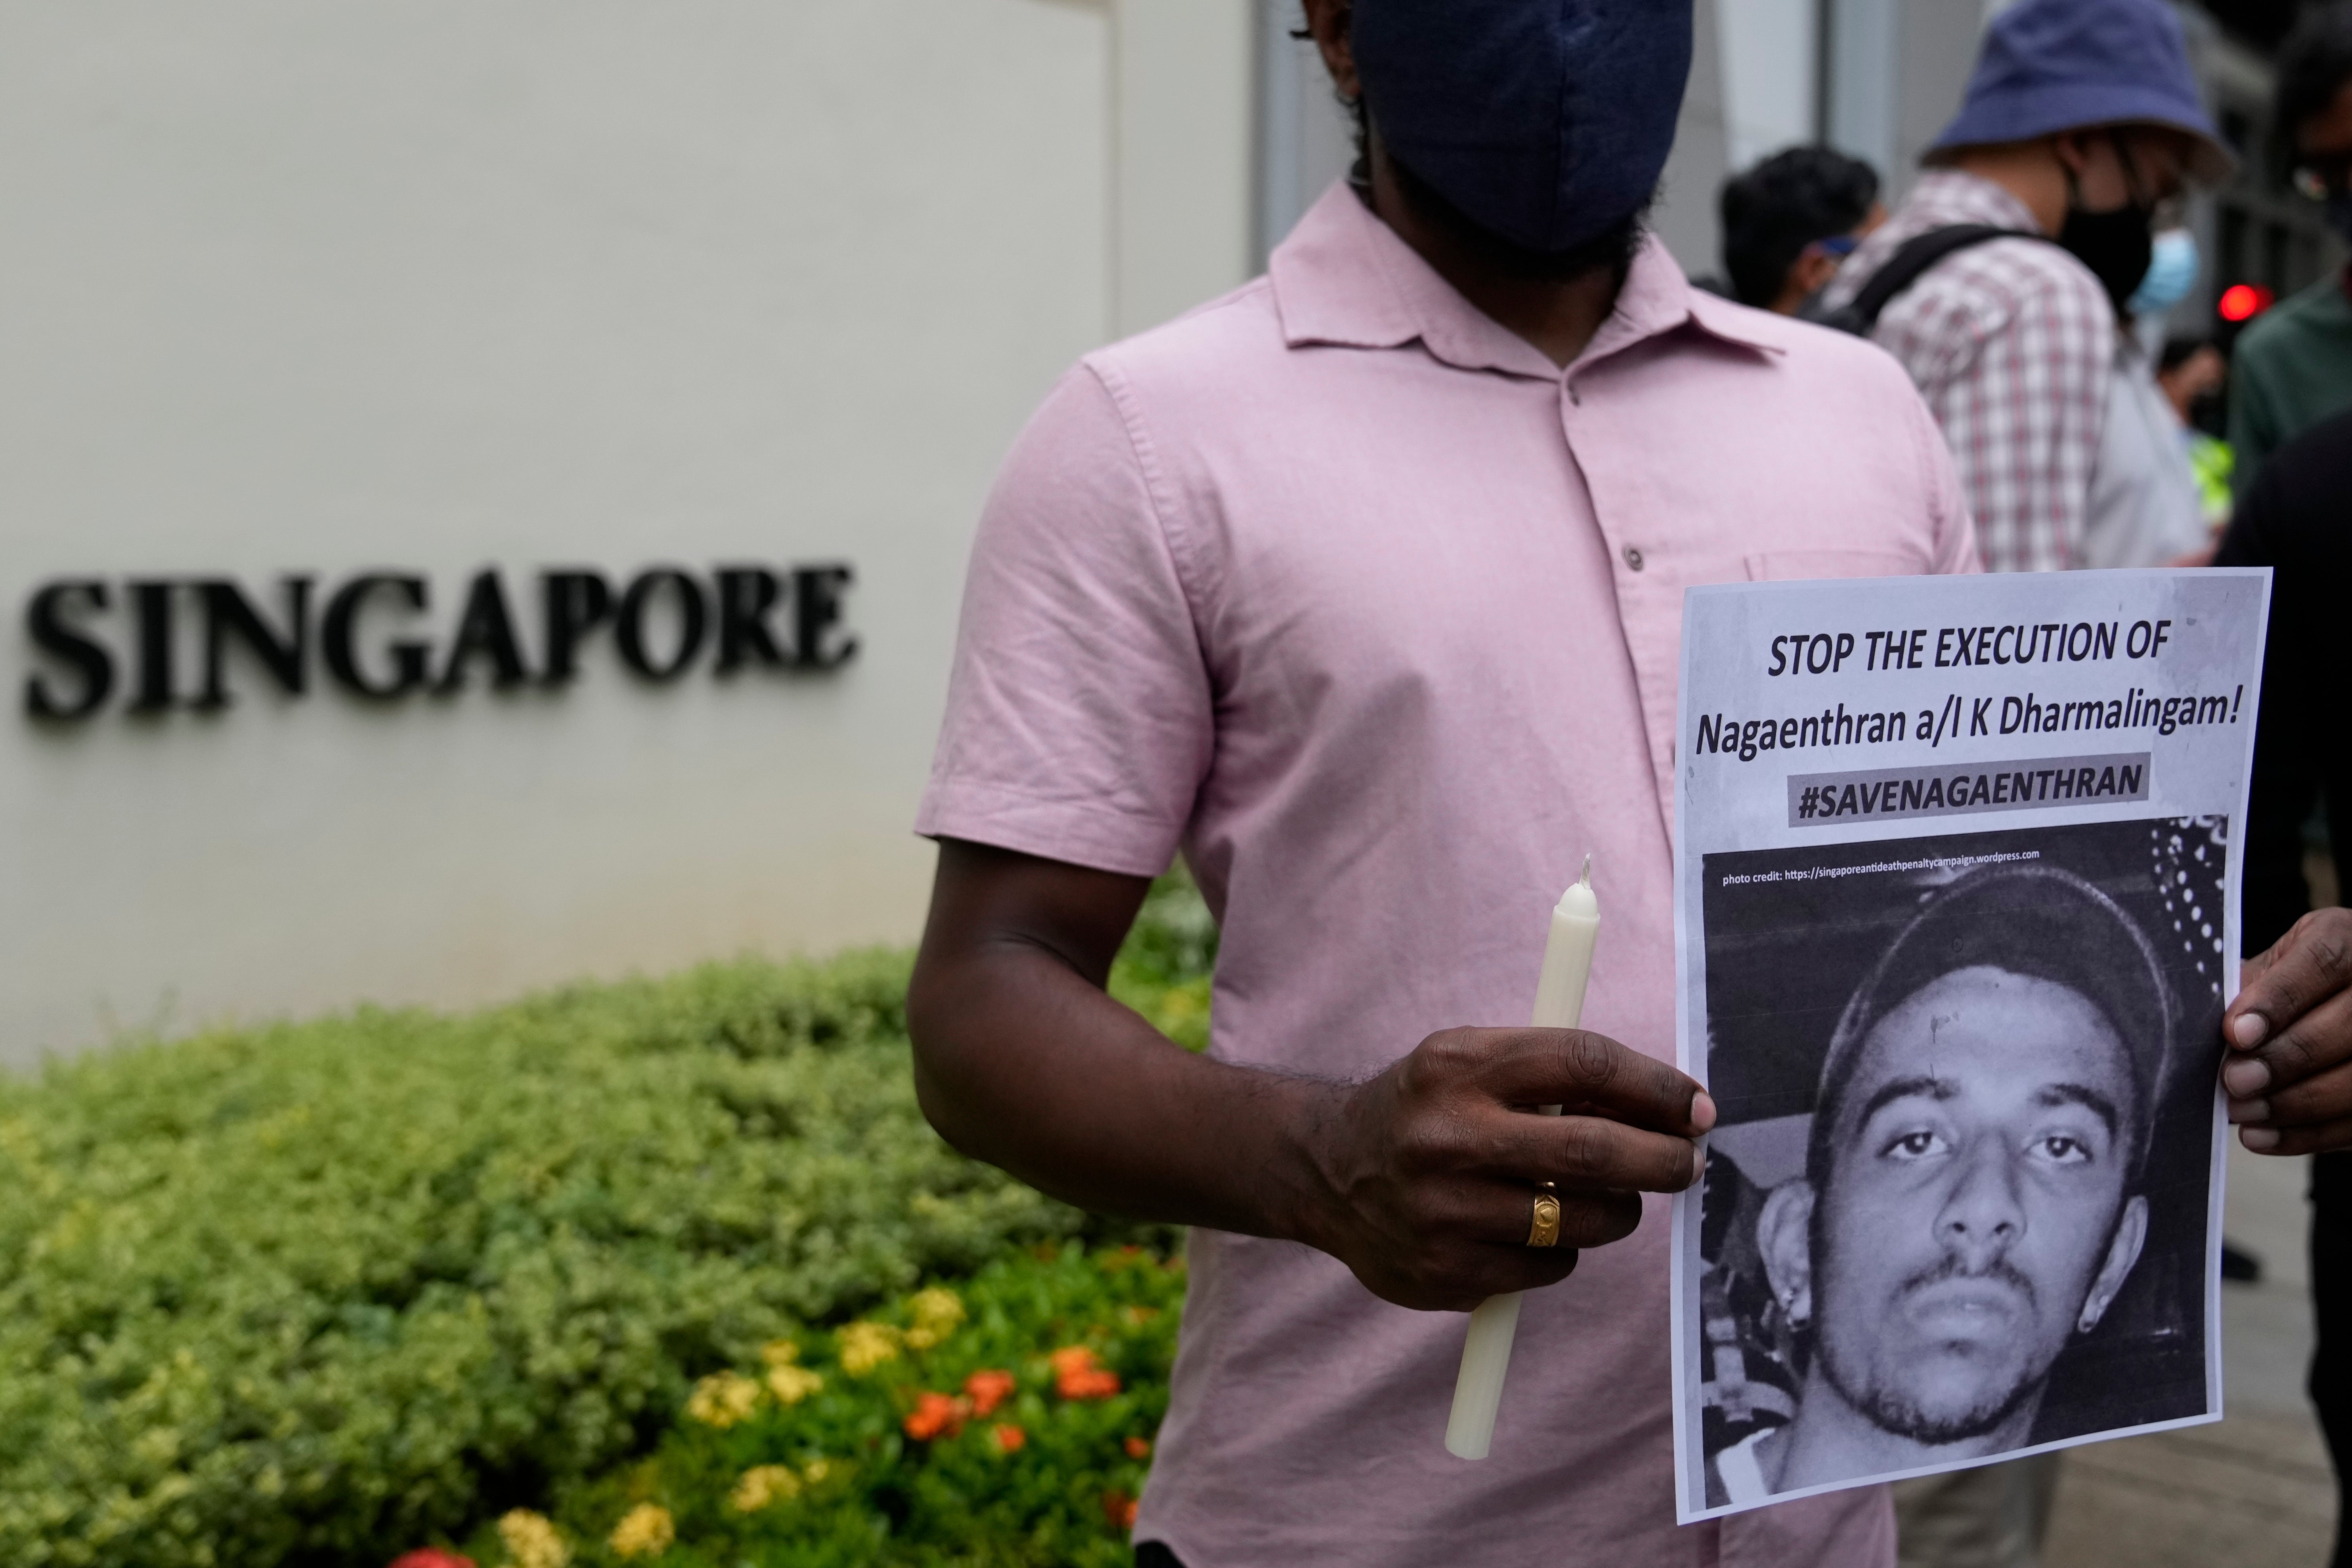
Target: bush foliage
(295, 1294)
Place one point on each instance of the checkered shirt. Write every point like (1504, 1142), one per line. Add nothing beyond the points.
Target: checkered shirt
(2012, 343)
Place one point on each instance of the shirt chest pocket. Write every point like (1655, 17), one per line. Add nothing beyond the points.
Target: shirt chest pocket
(1652, 605)
(1812, 565)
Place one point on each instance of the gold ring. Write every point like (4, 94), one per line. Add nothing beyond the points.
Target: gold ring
(1543, 1228)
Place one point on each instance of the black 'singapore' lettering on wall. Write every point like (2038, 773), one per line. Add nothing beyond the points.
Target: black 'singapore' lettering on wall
(98, 639)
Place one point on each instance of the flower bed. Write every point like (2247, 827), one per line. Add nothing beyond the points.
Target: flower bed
(1008, 1420)
(318, 1292)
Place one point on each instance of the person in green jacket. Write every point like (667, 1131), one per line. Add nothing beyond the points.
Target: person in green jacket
(2294, 367)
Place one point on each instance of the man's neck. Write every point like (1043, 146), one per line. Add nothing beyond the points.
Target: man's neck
(1830, 1440)
(1558, 315)
(2026, 170)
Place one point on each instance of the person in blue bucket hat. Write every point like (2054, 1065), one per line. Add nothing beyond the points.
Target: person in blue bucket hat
(2001, 282)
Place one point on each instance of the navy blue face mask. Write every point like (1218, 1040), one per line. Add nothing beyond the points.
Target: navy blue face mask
(1544, 122)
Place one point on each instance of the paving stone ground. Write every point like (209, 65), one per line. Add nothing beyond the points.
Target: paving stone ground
(2253, 1490)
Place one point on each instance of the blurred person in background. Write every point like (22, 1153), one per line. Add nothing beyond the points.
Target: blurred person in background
(2003, 281)
(1789, 222)
(2294, 367)
(2148, 507)
(2192, 373)
(2291, 520)
(2291, 373)
(2005, 284)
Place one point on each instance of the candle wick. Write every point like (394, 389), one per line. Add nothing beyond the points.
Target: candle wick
(1586, 879)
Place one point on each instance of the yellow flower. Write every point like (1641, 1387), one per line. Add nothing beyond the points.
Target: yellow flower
(723, 1398)
(531, 1540)
(936, 1313)
(817, 1470)
(865, 1346)
(646, 1530)
(780, 1353)
(761, 1485)
(791, 1384)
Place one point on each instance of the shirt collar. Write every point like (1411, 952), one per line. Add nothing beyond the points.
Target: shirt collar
(1344, 279)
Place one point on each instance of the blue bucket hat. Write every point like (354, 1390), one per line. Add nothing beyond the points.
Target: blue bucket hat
(2049, 66)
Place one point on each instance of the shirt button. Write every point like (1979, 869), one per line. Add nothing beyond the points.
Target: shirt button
(1632, 558)
(1576, 397)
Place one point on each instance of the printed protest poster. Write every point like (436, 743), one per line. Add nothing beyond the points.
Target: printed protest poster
(1957, 867)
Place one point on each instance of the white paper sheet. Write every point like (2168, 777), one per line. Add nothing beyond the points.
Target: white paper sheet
(1957, 872)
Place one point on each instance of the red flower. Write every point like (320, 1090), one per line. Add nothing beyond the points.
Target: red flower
(1009, 1439)
(987, 1390)
(431, 1557)
(1120, 1509)
(936, 1414)
(1076, 1375)
(1137, 1447)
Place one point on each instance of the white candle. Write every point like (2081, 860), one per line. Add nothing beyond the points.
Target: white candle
(1559, 1003)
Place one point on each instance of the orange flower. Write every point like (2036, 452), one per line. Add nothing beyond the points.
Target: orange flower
(1009, 1439)
(1120, 1509)
(987, 1390)
(1076, 1375)
(935, 1415)
(1137, 1447)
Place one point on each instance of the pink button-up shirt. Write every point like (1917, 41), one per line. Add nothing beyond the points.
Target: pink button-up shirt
(1372, 610)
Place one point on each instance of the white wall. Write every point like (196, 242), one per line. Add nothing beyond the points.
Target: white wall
(1896, 70)
(443, 283)
(1306, 140)
(1187, 153)
(1685, 215)
(1771, 51)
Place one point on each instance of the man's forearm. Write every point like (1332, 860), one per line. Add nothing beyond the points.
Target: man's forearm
(1020, 1061)
(1420, 1179)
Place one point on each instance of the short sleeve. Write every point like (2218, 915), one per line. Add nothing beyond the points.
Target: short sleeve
(1953, 531)
(1079, 719)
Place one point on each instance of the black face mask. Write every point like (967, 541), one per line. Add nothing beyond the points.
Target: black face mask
(2116, 247)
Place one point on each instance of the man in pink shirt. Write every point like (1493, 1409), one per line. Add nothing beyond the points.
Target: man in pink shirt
(1362, 587)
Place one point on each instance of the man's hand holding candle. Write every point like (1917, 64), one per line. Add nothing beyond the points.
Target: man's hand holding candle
(1433, 1166)
(1422, 1179)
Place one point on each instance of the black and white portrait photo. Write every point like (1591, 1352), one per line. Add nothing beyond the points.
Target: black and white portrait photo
(1957, 1201)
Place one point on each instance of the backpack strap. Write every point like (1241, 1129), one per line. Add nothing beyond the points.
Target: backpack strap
(1910, 261)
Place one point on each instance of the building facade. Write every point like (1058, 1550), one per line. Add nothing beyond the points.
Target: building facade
(486, 485)
(401, 398)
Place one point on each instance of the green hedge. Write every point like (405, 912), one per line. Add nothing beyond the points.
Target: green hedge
(301, 1294)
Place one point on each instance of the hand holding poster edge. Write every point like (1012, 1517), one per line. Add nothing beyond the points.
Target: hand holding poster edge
(1958, 750)
(2290, 1037)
